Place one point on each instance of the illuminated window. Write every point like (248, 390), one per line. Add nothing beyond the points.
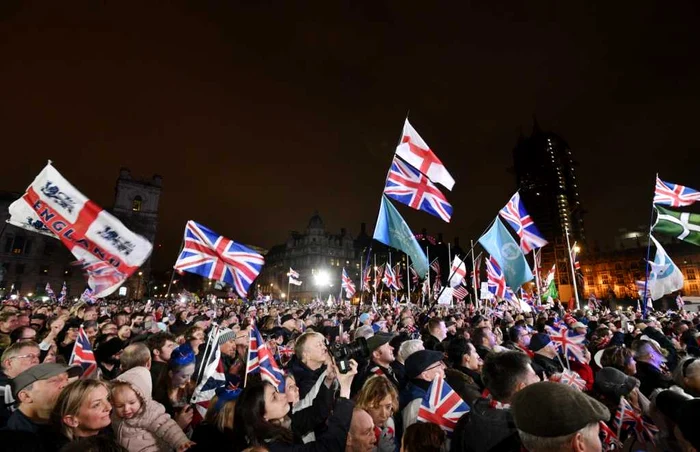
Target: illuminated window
(136, 204)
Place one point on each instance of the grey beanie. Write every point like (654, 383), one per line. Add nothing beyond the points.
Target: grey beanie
(226, 335)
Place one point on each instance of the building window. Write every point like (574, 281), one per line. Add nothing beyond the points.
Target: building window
(690, 273)
(49, 248)
(605, 279)
(136, 204)
(693, 289)
(8, 243)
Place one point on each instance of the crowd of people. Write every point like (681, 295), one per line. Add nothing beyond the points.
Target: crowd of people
(546, 380)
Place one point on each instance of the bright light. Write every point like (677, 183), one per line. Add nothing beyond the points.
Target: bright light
(322, 278)
(140, 273)
(44, 298)
(577, 249)
(30, 294)
(13, 296)
(283, 295)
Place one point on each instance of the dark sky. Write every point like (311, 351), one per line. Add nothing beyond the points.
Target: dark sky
(257, 113)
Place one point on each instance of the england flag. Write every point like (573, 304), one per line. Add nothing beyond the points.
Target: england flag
(419, 155)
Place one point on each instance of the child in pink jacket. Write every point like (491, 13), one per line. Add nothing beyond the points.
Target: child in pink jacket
(140, 423)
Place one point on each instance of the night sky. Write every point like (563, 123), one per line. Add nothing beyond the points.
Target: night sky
(258, 113)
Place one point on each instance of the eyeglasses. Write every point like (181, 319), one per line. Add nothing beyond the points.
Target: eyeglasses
(30, 356)
(434, 366)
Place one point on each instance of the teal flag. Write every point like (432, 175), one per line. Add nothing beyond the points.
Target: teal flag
(500, 244)
(392, 230)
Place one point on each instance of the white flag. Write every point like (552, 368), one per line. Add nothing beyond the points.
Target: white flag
(458, 272)
(293, 281)
(664, 276)
(106, 248)
(418, 154)
(445, 296)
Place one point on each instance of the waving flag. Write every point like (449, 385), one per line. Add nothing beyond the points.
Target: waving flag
(348, 285)
(415, 279)
(570, 378)
(679, 302)
(419, 155)
(570, 346)
(101, 276)
(389, 278)
(399, 276)
(378, 274)
(476, 272)
(392, 230)
(50, 292)
(460, 292)
(64, 292)
(628, 417)
(516, 216)
(293, 277)
(674, 195)
(496, 280)
(501, 246)
(52, 206)
(366, 278)
(681, 225)
(664, 276)
(608, 438)
(435, 266)
(213, 256)
(88, 296)
(212, 376)
(442, 406)
(410, 187)
(83, 355)
(260, 359)
(458, 272)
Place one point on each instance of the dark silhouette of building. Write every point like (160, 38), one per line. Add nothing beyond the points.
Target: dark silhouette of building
(545, 177)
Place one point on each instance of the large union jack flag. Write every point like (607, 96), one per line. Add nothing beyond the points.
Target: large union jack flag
(496, 279)
(442, 406)
(409, 186)
(261, 359)
(347, 284)
(366, 279)
(640, 427)
(399, 276)
(83, 355)
(415, 279)
(213, 256)
(515, 214)
(674, 195)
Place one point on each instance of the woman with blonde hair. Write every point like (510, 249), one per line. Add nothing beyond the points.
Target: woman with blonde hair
(379, 398)
(83, 409)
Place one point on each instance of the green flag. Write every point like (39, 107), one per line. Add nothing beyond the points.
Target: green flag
(550, 291)
(681, 225)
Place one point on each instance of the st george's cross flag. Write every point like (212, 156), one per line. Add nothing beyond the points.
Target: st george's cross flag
(441, 405)
(419, 155)
(458, 272)
(410, 187)
(216, 257)
(674, 195)
(82, 355)
(517, 217)
(347, 284)
(54, 207)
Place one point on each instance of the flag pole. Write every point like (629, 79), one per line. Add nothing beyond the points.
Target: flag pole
(172, 276)
(646, 264)
(427, 254)
(573, 270)
(537, 273)
(375, 277)
(408, 278)
(391, 297)
(476, 293)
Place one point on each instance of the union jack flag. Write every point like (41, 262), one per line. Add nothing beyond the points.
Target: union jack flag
(435, 266)
(260, 359)
(348, 285)
(101, 275)
(527, 297)
(389, 278)
(83, 355)
(408, 186)
(570, 378)
(378, 272)
(292, 273)
(64, 292)
(570, 346)
(88, 295)
(476, 271)
(608, 438)
(679, 302)
(415, 279)
(212, 376)
(213, 256)
(399, 276)
(442, 406)
(674, 195)
(574, 258)
(628, 417)
(514, 213)
(50, 292)
(366, 278)
(285, 351)
(496, 279)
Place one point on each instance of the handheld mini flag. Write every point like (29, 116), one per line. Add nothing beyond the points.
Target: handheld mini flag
(442, 406)
(83, 355)
(50, 292)
(348, 285)
(211, 377)
(260, 359)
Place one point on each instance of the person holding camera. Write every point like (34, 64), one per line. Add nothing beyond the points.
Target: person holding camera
(381, 357)
(264, 418)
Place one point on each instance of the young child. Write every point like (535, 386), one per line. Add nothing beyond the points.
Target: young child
(140, 423)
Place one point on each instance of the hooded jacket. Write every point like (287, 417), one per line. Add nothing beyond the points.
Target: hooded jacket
(151, 430)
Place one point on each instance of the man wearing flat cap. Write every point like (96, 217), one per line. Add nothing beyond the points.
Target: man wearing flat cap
(421, 369)
(556, 417)
(381, 355)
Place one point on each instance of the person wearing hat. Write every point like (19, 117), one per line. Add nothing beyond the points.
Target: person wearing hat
(552, 416)
(289, 326)
(107, 357)
(37, 389)
(365, 319)
(421, 368)
(489, 425)
(381, 355)
(579, 328)
(546, 360)
(683, 412)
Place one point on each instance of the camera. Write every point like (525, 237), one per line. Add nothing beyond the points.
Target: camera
(343, 353)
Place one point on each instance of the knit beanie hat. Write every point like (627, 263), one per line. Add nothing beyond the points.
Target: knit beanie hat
(226, 335)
